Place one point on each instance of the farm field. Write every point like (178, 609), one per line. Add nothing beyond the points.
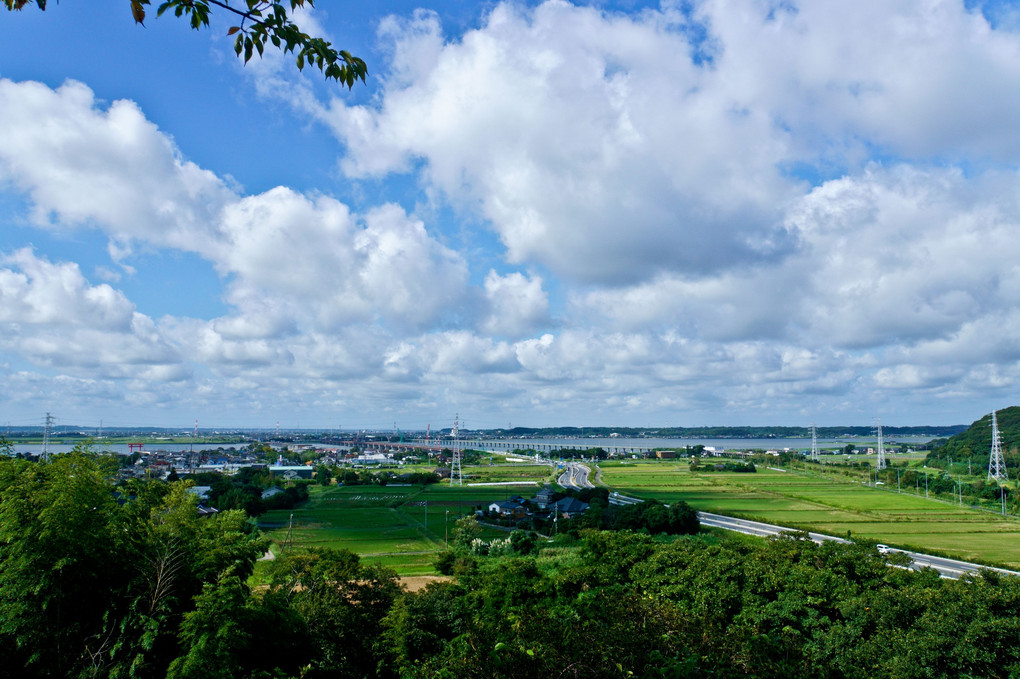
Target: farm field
(402, 527)
(828, 504)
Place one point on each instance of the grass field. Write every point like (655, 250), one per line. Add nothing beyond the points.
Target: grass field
(828, 504)
(399, 526)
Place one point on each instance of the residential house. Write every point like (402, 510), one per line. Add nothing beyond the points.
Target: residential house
(508, 508)
(569, 507)
(544, 497)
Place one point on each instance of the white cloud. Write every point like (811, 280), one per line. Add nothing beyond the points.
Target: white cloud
(889, 258)
(291, 260)
(35, 291)
(311, 260)
(82, 164)
(598, 148)
(518, 304)
(920, 78)
(51, 315)
(669, 243)
(591, 142)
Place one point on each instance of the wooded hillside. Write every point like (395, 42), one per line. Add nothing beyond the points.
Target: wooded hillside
(975, 443)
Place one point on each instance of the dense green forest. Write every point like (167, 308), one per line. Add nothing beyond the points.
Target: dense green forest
(101, 579)
(975, 443)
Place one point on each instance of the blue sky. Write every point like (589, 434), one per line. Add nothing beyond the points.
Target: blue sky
(693, 213)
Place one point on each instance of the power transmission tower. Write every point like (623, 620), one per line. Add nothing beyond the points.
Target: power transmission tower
(881, 449)
(46, 437)
(455, 469)
(814, 444)
(996, 465)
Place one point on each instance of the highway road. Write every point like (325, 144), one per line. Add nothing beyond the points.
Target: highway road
(946, 568)
(575, 475)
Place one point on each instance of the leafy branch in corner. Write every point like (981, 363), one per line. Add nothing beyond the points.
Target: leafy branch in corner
(260, 21)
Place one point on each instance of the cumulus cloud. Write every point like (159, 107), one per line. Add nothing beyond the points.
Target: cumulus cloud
(720, 209)
(592, 143)
(873, 73)
(291, 260)
(518, 304)
(81, 164)
(618, 149)
(51, 315)
(311, 259)
(890, 257)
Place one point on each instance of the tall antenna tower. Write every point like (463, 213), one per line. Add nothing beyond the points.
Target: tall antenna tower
(814, 444)
(881, 448)
(48, 424)
(996, 465)
(455, 470)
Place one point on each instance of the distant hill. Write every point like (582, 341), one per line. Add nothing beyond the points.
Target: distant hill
(975, 443)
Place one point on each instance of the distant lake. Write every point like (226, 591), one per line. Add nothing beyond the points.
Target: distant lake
(119, 448)
(723, 444)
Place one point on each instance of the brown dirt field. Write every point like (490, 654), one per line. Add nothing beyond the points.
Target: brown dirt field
(413, 583)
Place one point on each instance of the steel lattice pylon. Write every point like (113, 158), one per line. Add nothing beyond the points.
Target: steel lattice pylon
(456, 473)
(814, 444)
(996, 465)
(880, 463)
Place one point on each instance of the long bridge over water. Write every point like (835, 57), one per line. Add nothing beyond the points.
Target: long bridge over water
(503, 447)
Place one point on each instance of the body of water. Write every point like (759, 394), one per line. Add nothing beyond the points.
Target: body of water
(718, 444)
(119, 448)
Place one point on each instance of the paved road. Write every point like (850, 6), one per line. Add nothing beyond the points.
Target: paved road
(575, 475)
(947, 568)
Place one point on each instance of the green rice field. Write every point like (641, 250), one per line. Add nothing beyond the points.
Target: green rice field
(828, 504)
(402, 527)
(405, 526)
